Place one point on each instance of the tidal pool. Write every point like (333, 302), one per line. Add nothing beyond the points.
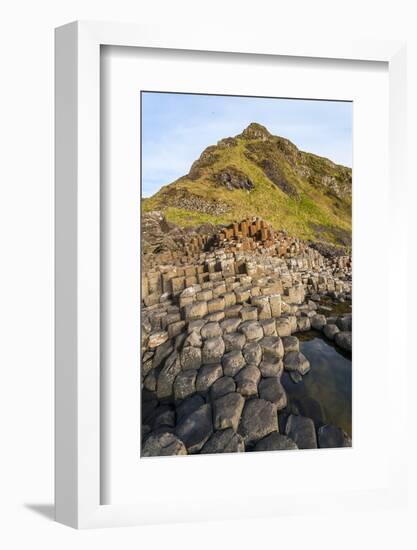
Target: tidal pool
(325, 393)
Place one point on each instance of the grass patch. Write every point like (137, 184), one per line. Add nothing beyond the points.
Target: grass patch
(313, 213)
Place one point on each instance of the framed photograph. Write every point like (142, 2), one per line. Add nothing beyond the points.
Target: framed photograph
(227, 307)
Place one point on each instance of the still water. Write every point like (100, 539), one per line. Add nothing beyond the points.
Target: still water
(325, 393)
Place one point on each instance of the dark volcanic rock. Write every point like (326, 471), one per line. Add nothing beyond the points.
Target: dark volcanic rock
(150, 380)
(157, 338)
(188, 406)
(247, 381)
(273, 171)
(256, 131)
(318, 322)
(301, 430)
(184, 384)
(234, 341)
(272, 390)
(222, 386)
(296, 377)
(252, 330)
(252, 353)
(169, 372)
(344, 340)
(231, 178)
(296, 361)
(330, 436)
(160, 236)
(207, 158)
(162, 353)
(207, 375)
(275, 442)
(157, 234)
(272, 349)
(213, 350)
(164, 415)
(224, 441)
(328, 250)
(291, 343)
(227, 411)
(330, 331)
(345, 323)
(211, 330)
(271, 369)
(196, 428)
(190, 358)
(259, 418)
(232, 363)
(229, 326)
(163, 444)
(182, 198)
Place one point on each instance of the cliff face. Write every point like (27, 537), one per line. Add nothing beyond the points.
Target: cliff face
(256, 173)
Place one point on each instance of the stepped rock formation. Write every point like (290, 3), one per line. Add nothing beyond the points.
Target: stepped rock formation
(221, 311)
(306, 195)
(239, 258)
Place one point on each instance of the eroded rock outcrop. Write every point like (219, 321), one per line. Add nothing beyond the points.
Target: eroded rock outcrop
(218, 332)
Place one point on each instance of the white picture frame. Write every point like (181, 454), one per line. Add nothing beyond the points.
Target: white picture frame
(78, 405)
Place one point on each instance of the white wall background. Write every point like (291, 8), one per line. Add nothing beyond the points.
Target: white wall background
(26, 272)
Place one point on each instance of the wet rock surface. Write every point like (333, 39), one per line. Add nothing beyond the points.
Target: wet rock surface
(275, 442)
(196, 428)
(227, 411)
(302, 431)
(296, 361)
(224, 441)
(272, 390)
(259, 418)
(331, 436)
(344, 340)
(222, 325)
(164, 444)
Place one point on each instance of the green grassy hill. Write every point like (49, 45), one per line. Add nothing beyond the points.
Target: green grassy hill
(256, 173)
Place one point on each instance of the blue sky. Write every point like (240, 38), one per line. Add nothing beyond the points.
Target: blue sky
(176, 128)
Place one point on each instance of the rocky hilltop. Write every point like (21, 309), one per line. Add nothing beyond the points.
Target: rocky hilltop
(307, 196)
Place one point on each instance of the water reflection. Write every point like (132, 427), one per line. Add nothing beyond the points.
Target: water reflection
(325, 393)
